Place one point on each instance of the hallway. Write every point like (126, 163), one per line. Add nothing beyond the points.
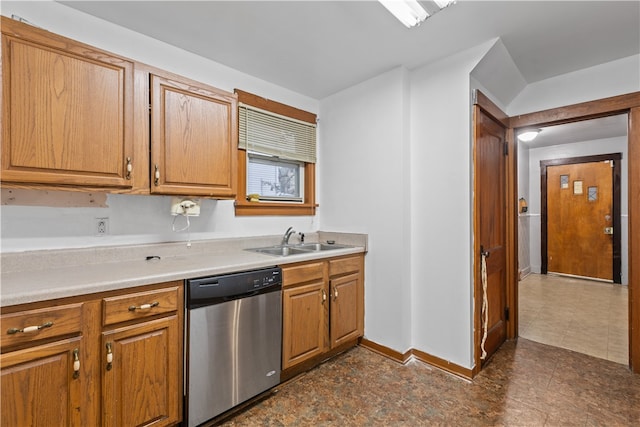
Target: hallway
(585, 316)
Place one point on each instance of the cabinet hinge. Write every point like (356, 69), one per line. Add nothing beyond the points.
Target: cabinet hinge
(506, 313)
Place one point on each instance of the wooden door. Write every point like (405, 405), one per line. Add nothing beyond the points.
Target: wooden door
(142, 384)
(580, 219)
(304, 327)
(67, 111)
(39, 387)
(194, 139)
(344, 309)
(490, 230)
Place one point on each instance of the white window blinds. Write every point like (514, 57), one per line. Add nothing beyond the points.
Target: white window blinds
(269, 133)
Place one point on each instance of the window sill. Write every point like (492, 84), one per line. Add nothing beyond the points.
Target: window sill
(274, 208)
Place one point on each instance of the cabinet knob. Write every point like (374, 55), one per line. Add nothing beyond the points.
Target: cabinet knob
(324, 296)
(129, 168)
(76, 363)
(335, 294)
(109, 357)
(28, 329)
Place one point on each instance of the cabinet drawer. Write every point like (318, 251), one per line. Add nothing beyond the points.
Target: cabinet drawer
(139, 305)
(33, 325)
(302, 273)
(345, 265)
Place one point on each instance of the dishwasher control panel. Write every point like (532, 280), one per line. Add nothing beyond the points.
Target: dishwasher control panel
(217, 289)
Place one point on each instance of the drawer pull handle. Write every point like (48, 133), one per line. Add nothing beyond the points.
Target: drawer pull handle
(156, 176)
(76, 363)
(144, 306)
(29, 328)
(324, 296)
(335, 294)
(109, 357)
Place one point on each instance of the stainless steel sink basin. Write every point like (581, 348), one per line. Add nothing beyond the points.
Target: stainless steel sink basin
(303, 248)
(279, 250)
(321, 246)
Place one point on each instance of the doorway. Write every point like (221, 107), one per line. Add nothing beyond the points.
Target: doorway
(629, 104)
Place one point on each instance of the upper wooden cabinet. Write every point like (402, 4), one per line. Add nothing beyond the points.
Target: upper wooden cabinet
(67, 111)
(194, 138)
(76, 117)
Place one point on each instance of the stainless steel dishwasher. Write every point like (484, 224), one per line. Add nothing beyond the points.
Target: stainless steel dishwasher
(234, 340)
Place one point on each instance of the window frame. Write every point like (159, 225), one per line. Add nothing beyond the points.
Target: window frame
(244, 207)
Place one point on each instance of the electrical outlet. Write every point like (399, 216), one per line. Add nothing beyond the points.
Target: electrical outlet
(102, 226)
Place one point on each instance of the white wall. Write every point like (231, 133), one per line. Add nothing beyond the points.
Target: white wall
(585, 148)
(138, 219)
(441, 207)
(524, 219)
(365, 187)
(601, 81)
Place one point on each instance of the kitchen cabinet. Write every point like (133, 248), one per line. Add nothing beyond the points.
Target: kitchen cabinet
(304, 312)
(76, 117)
(323, 308)
(40, 367)
(347, 299)
(113, 359)
(194, 138)
(142, 358)
(67, 112)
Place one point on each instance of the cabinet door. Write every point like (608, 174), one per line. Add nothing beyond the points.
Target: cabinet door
(67, 111)
(304, 323)
(345, 303)
(142, 374)
(194, 139)
(39, 387)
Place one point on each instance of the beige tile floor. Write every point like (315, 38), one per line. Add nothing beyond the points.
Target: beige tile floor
(581, 315)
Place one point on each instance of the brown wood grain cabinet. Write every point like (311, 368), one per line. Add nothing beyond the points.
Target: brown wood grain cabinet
(323, 307)
(67, 111)
(194, 138)
(111, 361)
(76, 117)
(40, 367)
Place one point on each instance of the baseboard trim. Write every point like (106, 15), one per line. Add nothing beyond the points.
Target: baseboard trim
(525, 272)
(386, 351)
(445, 365)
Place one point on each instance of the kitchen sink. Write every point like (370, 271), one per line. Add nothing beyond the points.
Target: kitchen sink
(320, 246)
(279, 250)
(302, 248)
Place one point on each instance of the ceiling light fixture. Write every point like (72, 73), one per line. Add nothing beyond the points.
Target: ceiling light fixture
(529, 135)
(409, 12)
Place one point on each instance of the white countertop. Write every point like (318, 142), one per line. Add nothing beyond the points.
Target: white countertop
(45, 275)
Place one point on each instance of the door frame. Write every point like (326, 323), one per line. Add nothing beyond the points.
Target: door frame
(617, 249)
(630, 104)
(482, 102)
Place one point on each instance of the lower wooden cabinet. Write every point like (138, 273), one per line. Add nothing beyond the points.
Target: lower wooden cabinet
(323, 307)
(41, 387)
(304, 325)
(111, 361)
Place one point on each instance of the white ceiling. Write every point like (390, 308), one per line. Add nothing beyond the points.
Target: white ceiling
(317, 48)
(588, 130)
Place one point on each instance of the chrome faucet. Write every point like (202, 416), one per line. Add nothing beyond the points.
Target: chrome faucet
(287, 234)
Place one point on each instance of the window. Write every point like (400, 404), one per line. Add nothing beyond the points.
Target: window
(271, 178)
(276, 158)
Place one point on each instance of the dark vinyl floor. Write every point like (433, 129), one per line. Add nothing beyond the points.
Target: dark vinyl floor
(525, 384)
